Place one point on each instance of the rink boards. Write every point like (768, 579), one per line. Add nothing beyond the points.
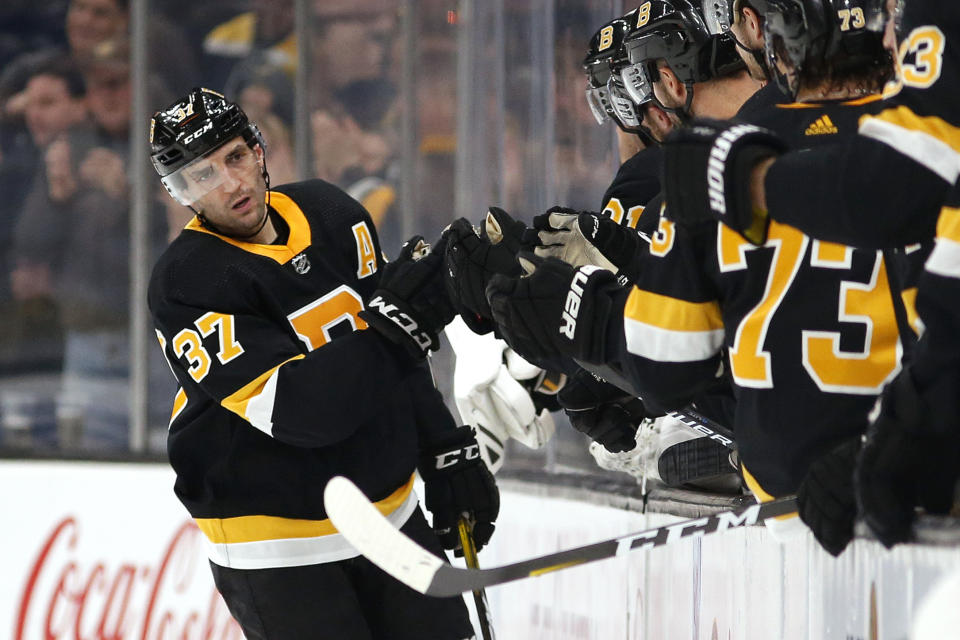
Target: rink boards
(104, 550)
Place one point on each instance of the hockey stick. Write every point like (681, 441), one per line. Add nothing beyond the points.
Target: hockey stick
(371, 534)
(479, 595)
(705, 426)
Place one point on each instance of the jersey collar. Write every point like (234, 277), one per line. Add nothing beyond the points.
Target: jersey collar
(298, 240)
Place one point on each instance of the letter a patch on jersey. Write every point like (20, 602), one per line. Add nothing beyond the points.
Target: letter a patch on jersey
(366, 256)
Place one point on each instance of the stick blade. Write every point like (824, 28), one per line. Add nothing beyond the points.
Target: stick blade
(371, 534)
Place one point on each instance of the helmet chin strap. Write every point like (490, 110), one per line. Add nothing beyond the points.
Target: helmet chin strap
(757, 54)
(263, 220)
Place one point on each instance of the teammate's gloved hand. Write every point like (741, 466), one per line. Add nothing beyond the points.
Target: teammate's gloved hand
(826, 499)
(910, 456)
(473, 256)
(493, 390)
(556, 310)
(603, 411)
(581, 238)
(707, 169)
(411, 306)
(458, 484)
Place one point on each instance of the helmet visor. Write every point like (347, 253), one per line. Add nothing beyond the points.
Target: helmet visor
(637, 83)
(224, 166)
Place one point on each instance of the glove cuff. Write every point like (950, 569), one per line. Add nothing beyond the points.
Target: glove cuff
(456, 449)
(395, 320)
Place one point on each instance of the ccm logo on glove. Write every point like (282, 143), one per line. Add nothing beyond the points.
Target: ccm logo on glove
(402, 320)
(571, 307)
(450, 458)
(718, 157)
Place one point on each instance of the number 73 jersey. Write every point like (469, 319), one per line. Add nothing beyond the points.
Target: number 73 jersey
(807, 329)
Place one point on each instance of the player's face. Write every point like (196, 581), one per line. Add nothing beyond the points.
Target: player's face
(657, 121)
(746, 29)
(237, 204)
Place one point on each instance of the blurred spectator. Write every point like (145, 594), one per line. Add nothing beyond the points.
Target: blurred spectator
(263, 35)
(51, 101)
(354, 146)
(73, 240)
(352, 41)
(92, 22)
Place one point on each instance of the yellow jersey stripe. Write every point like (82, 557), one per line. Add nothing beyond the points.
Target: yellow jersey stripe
(378, 201)
(254, 401)
(909, 297)
(928, 140)
(670, 313)
(257, 528)
(179, 403)
(761, 495)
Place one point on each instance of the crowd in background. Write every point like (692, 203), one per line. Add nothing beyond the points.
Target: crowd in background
(65, 127)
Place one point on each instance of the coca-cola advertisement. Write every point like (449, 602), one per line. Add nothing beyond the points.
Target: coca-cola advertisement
(102, 552)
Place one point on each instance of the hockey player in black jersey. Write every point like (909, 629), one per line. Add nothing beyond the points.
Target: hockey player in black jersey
(299, 354)
(894, 183)
(788, 335)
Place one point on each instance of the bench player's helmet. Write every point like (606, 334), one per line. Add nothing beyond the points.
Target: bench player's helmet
(821, 39)
(190, 129)
(606, 94)
(675, 31)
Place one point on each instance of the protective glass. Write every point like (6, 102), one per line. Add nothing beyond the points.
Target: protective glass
(637, 82)
(193, 181)
(718, 15)
(623, 107)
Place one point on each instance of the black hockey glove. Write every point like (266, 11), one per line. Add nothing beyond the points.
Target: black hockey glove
(602, 411)
(556, 310)
(826, 499)
(707, 170)
(909, 458)
(458, 484)
(473, 256)
(580, 238)
(411, 305)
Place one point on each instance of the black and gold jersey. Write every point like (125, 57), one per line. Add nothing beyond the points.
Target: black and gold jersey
(636, 183)
(281, 385)
(885, 187)
(806, 329)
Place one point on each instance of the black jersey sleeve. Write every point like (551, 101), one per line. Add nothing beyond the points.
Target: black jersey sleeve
(885, 188)
(671, 324)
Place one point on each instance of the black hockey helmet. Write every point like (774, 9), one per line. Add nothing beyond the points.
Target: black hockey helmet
(847, 32)
(675, 31)
(605, 91)
(719, 14)
(190, 129)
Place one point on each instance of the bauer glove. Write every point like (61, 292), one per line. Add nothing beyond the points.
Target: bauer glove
(473, 256)
(707, 170)
(410, 306)
(555, 310)
(910, 456)
(581, 238)
(458, 484)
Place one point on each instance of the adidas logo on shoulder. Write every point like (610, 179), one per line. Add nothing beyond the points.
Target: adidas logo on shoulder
(823, 126)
